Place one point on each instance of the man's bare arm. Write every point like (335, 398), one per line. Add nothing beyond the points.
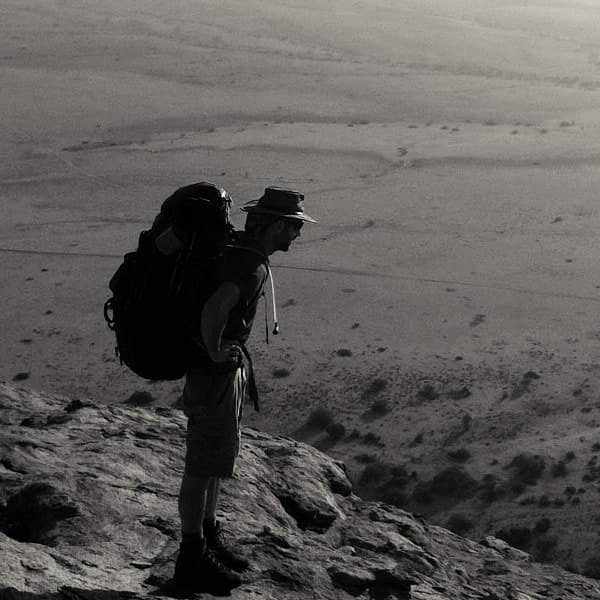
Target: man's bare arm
(215, 314)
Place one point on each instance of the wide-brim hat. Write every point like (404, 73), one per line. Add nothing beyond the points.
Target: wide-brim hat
(286, 204)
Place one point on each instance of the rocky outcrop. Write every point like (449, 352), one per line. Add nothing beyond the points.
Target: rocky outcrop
(88, 510)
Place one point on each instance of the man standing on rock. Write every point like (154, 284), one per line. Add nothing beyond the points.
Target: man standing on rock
(215, 389)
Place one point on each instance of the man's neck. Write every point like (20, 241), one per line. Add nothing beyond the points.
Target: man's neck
(258, 243)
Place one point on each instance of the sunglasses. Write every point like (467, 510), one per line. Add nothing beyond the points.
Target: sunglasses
(294, 224)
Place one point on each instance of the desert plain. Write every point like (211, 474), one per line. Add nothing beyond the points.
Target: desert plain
(444, 310)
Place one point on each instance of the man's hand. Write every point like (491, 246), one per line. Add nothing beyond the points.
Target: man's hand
(229, 353)
(214, 319)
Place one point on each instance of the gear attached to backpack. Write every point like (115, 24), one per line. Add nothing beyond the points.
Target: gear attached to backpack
(158, 290)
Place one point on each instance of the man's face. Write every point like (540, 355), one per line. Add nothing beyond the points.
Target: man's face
(289, 231)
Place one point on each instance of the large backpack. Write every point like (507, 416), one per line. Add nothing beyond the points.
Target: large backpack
(158, 290)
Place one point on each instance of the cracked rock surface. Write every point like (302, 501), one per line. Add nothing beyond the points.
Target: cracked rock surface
(88, 510)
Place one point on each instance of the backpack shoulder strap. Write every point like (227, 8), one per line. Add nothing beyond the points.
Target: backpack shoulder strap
(263, 256)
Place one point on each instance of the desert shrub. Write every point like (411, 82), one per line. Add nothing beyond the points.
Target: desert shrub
(544, 548)
(569, 456)
(281, 372)
(375, 387)
(379, 408)
(517, 487)
(392, 491)
(527, 468)
(418, 439)
(393, 495)
(542, 525)
(364, 458)
(427, 392)
(344, 352)
(452, 482)
(459, 524)
(140, 398)
(596, 446)
(519, 537)
(559, 469)
(558, 502)
(336, 431)
(459, 455)
(320, 418)
(544, 501)
(372, 439)
(354, 434)
(575, 501)
(490, 489)
(374, 473)
(400, 476)
(570, 490)
(591, 567)
(528, 501)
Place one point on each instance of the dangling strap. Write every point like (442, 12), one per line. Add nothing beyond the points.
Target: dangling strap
(275, 321)
(252, 389)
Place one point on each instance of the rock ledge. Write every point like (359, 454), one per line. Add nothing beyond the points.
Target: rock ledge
(88, 510)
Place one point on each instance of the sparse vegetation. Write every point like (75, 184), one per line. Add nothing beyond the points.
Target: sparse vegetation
(380, 407)
(281, 372)
(374, 473)
(385, 482)
(140, 398)
(591, 568)
(320, 418)
(418, 439)
(375, 387)
(519, 537)
(489, 488)
(459, 524)
(544, 501)
(544, 548)
(452, 482)
(460, 455)
(372, 439)
(364, 458)
(427, 393)
(354, 434)
(559, 469)
(526, 470)
(542, 525)
(528, 501)
(335, 431)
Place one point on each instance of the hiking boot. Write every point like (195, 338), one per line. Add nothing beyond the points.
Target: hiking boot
(198, 570)
(215, 541)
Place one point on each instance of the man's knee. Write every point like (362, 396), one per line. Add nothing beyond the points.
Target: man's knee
(192, 484)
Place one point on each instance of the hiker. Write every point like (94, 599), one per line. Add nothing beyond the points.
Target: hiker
(219, 381)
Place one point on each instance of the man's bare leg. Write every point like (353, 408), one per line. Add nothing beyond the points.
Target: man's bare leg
(192, 504)
(212, 495)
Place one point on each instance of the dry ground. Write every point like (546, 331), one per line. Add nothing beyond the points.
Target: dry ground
(450, 151)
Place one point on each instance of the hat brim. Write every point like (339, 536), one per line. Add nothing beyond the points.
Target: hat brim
(265, 211)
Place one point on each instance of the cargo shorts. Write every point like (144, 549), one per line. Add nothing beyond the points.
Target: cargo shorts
(213, 403)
